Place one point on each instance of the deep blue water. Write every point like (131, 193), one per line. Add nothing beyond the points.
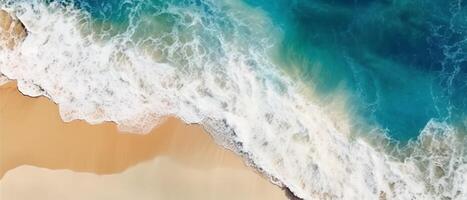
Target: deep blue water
(402, 62)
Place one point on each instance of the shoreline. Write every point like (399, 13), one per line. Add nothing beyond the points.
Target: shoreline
(36, 136)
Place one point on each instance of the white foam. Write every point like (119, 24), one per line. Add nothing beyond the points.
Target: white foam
(227, 83)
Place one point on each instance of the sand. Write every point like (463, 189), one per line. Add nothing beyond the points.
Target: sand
(42, 157)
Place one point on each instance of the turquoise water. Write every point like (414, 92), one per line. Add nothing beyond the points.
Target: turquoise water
(403, 62)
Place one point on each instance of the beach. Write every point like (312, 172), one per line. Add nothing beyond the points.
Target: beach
(221, 99)
(43, 157)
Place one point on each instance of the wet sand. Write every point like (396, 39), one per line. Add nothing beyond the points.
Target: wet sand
(42, 157)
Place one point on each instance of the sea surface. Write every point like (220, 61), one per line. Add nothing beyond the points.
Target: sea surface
(333, 99)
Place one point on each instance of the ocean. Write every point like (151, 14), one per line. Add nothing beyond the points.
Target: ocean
(332, 99)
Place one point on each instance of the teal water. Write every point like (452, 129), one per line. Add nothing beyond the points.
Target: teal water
(403, 62)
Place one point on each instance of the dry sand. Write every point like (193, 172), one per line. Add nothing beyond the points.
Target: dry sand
(42, 157)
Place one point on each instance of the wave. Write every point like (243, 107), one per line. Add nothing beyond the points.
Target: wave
(213, 64)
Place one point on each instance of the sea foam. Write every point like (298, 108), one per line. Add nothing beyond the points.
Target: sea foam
(227, 82)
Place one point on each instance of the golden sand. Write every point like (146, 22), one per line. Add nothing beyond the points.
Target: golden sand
(45, 158)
